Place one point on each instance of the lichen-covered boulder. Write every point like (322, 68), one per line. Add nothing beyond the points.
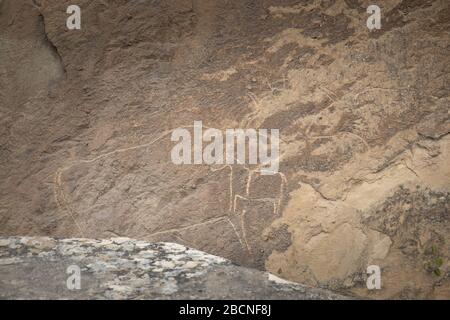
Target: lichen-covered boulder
(121, 268)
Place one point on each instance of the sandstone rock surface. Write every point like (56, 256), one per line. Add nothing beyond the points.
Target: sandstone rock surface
(364, 120)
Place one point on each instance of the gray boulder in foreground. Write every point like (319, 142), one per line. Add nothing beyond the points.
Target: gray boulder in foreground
(122, 268)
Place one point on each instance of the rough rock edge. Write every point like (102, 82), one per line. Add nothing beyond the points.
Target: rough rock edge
(122, 268)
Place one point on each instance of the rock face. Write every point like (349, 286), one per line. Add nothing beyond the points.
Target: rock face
(121, 268)
(86, 117)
